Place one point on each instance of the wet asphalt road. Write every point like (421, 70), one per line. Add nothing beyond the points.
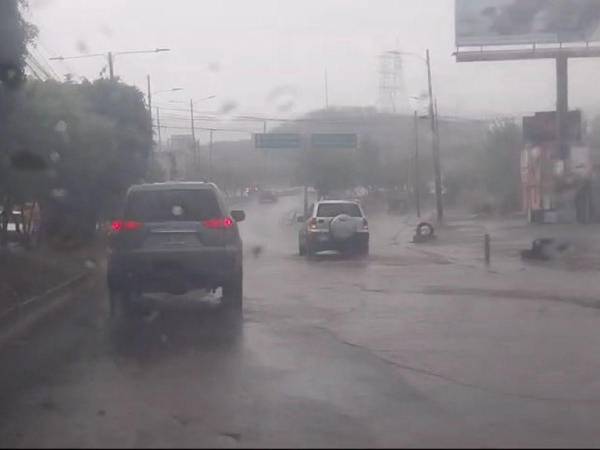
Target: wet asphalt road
(410, 347)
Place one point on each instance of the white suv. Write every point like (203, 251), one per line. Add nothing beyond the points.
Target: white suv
(334, 225)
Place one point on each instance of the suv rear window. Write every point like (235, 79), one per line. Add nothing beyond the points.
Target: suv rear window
(335, 209)
(172, 206)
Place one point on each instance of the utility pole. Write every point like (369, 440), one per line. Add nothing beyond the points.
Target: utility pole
(437, 167)
(111, 66)
(416, 180)
(150, 105)
(210, 150)
(150, 117)
(159, 132)
(435, 147)
(193, 134)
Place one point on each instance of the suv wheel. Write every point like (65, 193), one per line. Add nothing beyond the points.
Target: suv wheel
(363, 248)
(233, 292)
(121, 303)
(301, 249)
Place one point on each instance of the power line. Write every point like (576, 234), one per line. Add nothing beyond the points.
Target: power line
(34, 71)
(257, 118)
(41, 60)
(349, 121)
(247, 117)
(251, 118)
(33, 63)
(206, 126)
(49, 52)
(229, 130)
(36, 68)
(46, 48)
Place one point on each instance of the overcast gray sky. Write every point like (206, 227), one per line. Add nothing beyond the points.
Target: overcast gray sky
(243, 50)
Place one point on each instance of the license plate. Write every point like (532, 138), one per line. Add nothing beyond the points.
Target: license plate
(176, 240)
(323, 238)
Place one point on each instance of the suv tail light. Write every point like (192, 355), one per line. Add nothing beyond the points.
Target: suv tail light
(365, 225)
(312, 223)
(219, 224)
(118, 226)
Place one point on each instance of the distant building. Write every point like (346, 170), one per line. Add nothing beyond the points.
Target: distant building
(181, 142)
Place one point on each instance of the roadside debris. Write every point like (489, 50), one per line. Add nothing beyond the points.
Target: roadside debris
(487, 253)
(257, 250)
(424, 233)
(545, 249)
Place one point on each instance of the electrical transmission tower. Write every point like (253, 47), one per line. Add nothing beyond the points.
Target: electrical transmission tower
(392, 90)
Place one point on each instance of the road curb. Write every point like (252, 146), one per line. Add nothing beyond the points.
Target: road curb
(25, 315)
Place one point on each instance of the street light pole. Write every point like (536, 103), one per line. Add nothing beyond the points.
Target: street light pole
(210, 163)
(158, 126)
(196, 150)
(435, 147)
(157, 92)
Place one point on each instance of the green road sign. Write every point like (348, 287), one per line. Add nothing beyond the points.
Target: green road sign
(334, 140)
(277, 140)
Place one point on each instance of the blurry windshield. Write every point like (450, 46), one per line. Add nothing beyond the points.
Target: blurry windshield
(177, 264)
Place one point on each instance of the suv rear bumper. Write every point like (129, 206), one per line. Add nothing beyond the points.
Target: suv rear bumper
(321, 241)
(173, 271)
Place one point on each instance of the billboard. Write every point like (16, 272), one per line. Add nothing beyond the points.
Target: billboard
(507, 22)
(541, 127)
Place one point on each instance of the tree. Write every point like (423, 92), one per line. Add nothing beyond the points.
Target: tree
(95, 139)
(15, 34)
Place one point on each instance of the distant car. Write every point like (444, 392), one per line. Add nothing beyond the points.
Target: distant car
(267, 197)
(334, 225)
(175, 237)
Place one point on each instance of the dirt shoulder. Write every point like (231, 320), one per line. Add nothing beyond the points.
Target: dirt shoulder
(27, 274)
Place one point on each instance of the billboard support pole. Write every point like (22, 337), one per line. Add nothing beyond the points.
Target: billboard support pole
(562, 104)
(305, 157)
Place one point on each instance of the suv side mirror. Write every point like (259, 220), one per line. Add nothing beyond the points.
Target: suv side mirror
(300, 219)
(238, 215)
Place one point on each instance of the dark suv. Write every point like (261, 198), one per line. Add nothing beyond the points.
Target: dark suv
(175, 237)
